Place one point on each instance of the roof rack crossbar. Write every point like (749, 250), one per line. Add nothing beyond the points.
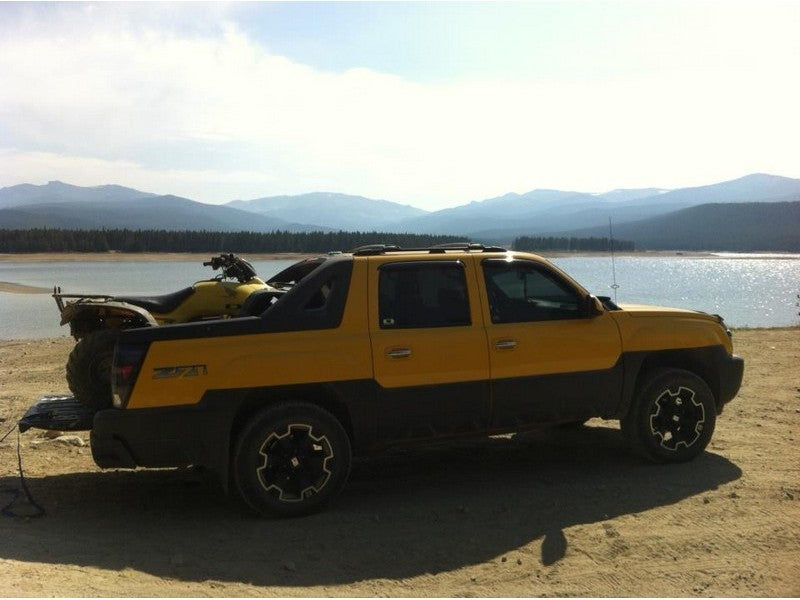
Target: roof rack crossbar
(377, 249)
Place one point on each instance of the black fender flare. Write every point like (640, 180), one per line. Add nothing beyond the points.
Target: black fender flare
(77, 310)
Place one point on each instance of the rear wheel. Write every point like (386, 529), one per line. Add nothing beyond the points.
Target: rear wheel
(291, 460)
(89, 368)
(672, 418)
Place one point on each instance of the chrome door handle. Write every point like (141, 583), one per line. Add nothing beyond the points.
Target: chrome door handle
(398, 353)
(505, 344)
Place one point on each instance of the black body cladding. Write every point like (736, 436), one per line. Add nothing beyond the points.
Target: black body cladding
(202, 434)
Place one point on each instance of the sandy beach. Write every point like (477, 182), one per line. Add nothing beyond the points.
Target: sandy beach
(18, 288)
(552, 513)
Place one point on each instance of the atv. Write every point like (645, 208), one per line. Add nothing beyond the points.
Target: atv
(95, 320)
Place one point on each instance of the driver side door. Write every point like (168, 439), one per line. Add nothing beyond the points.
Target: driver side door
(550, 360)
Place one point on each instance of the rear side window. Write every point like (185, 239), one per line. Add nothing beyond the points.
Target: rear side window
(320, 298)
(423, 294)
(316, 302)
(295, 273)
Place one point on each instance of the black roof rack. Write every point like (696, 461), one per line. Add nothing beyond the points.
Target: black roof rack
(372, 249)
(377, 249)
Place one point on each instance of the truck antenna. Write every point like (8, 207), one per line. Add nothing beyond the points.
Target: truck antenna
(614, 285)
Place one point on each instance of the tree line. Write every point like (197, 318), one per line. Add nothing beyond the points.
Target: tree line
(128, 240)
(571, 244)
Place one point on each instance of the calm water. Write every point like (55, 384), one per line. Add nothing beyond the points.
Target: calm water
(756, 291)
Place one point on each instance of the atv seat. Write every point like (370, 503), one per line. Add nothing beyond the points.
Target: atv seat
(158, 304)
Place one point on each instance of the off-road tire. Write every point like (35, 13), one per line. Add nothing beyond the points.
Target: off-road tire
(89, 368)
(672, 417)
(291, 459)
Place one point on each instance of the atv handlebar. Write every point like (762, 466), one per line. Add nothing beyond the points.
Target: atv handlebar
(232, 267)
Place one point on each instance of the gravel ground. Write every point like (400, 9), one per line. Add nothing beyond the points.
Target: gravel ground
(553, 513)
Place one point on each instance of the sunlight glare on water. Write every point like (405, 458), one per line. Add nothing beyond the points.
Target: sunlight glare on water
(746, 292)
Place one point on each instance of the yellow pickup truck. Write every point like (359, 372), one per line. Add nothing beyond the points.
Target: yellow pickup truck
(382, 346)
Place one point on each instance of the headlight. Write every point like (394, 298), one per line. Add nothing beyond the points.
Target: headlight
(725, 327)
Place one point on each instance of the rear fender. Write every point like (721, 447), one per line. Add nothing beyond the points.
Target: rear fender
(84, 316)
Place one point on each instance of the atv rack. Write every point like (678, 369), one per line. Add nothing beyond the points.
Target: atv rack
(59, 297)
(378, 249)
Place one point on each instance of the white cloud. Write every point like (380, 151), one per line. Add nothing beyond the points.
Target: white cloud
(35, 167)
(216, 117)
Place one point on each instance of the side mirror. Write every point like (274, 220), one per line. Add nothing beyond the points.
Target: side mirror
(590, 306)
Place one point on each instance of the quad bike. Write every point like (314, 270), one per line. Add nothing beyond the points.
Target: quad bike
(95, 320)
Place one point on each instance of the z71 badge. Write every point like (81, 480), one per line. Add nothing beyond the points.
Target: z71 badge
(183, 371)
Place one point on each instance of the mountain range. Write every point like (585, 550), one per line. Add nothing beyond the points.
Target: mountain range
(58, 205)
(337, 211)
(500, 219)
(743, 227)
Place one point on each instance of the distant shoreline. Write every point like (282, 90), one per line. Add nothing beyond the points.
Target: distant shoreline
(140, 256)
(18, 288)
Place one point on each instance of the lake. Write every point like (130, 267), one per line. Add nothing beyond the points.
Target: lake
(747, 290)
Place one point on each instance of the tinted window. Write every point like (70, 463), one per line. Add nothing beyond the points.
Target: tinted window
(422, 294)
(295, 273)
(521, 291)
(317, 302)
(320, 298)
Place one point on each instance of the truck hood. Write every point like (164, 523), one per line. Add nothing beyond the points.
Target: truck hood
(645, 310)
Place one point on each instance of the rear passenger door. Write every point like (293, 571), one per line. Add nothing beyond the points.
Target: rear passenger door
(429, 348)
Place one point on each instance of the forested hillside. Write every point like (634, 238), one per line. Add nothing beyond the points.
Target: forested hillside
(754, 226)
(126, 240)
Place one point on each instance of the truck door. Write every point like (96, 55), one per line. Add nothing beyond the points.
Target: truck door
(551, 359)
(429, 348)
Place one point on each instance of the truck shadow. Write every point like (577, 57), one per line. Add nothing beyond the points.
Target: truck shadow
(407, 513)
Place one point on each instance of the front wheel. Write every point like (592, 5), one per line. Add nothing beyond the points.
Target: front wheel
(291, 459)
(672, 417)
(89, 368)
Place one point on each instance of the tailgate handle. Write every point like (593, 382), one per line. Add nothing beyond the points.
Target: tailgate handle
(505, 344)
(398, 352)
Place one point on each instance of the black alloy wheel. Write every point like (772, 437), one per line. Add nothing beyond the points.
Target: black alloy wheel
(672, 417)
(677, 418)
(291, 459)
(295, 463)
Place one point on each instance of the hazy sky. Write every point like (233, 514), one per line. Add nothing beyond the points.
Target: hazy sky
(430, 104)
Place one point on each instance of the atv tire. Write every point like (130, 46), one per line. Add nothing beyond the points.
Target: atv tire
(89, 369)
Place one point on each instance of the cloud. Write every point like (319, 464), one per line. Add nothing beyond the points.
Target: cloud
(214, 115)
(88, 171)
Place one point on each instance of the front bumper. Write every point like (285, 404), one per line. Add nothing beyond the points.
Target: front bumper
(731, 372)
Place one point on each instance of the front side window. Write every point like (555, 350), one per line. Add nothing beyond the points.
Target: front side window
(522, 291)
(422, 294)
